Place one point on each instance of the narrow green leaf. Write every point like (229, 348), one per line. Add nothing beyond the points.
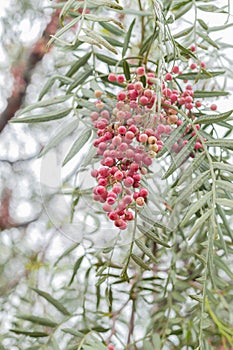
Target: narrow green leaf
(223, 143)
(203, 24)
(200, 75)
(210, 119)
(87, 40)
(113, 41)
(51, 81)
(94, 18)
(218, 261)
(54, 343)
(112, 5)
(66, 253)
(128, 37)
(193, 186)
(174, 136)
(192, 168)
(225, 221)
(100, 40)
(75, 269)
(196, 297)
(180, 157)
(80, 63)
(183, 10)
(150, 233)
(183, 32)
(185, 52)
(38, 320)
(62, 134)
(206, 38)
(81, 78)
(77, 145)
(223, 166)
(106, 59)
(44, 103)
(66, 8)
(145, 250)
(140, 262)
(224, 202)
(112, 29)
(225, 185)
(195, 207)
(126, 70)
(73, 332)
(46, 117)
(208, 8)
(69, 25)
(201, 221)
(30, 334)
(52, 301)
(153, 222)
(208, 94)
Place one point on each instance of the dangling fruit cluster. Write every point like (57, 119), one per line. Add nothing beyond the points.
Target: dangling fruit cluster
(130, 135)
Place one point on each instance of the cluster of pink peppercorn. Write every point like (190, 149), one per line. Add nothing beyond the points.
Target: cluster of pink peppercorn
(130, 135)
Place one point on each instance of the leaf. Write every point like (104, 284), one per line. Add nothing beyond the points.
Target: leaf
(51, 81)
(208, 8)
(174, 136)
(94, 18)
(224, 202)
(100, 40)
(45, 103)
(185, 52)
(206, 38)
(225, 185)
(66, 8)
(126, 70)
(29, 334)
(62, 134)
(73, 332)
(113, 41)
(223, 143)
(183, 32)
(201, 221)
(77, 145)
(223, 166)
(193, 186)
(210, 119)
(218, 261)
(106, 59)
(153, 222)
(80, 79)
(52, 301)
(225, 221)
(80, 63)
(87, 40)
(69, 25)
(145, 250)
(200, 75)
(208, 94)
(128, 37)
(45, 117)
(38, 320)
(180, 157)
(183, 10)
(75, 269)
(112, 29)
(150, 233)
(195, 207)
(191, 168)
(107, 3)
(140, 262)
(203, 24)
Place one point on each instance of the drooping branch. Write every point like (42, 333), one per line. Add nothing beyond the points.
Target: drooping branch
(22, 74)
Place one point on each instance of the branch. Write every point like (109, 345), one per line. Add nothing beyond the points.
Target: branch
(22, 75)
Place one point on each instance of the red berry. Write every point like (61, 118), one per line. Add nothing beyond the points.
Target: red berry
(175, 69)
(168, 76)
(213, 107)
(140, 71)
(120, 79)
(112, 77)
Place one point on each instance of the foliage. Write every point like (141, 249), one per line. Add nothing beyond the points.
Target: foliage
(166, 282)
